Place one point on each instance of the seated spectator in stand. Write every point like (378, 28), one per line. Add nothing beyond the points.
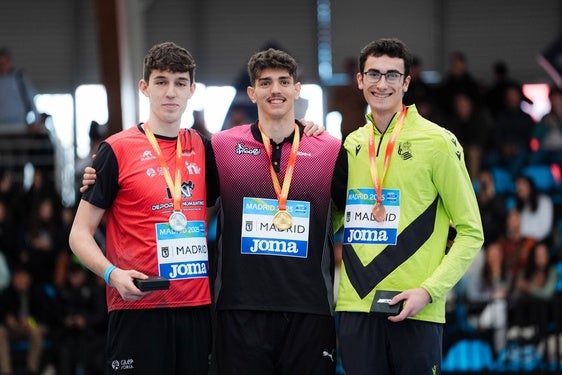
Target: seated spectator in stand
(472, 125)
(515, 245)
(512, 133)
(10, 234)
(533, 291)
(16, 94)
(548, 131)
(494, 96)
(44, 240)
(26, 313)
(458, 79)
(536, 209)
(487, 295)
(82, 304)
(493, 207)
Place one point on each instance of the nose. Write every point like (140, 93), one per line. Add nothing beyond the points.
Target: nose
(275, 86)
(382, 82)
(171, 91)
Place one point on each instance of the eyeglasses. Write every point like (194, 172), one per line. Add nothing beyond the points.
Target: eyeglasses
(373, 76)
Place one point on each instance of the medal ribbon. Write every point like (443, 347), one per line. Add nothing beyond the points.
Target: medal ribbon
(174, 186)
(377, 183)
(282, 192)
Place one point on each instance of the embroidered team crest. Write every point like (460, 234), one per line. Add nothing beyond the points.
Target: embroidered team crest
(404, 150)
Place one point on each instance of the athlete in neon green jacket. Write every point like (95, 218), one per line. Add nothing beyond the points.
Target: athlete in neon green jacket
(402, 184)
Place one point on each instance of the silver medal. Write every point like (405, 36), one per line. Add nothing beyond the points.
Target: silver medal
(177, 221)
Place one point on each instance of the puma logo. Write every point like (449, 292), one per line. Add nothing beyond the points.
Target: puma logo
(327, 354)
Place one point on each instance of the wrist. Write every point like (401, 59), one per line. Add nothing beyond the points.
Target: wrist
(107, 273)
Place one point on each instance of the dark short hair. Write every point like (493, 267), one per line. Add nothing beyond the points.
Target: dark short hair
(391, 47)
(168, 57)
(271, 59)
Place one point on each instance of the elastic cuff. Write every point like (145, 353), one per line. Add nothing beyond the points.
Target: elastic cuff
(107, 272)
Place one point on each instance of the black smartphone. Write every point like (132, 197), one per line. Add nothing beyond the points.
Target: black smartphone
(152, 283)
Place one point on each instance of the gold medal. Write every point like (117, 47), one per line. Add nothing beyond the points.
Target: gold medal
(379, 212)
(282, 220)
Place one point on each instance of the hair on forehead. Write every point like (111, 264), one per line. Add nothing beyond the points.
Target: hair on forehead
(168, 57)
(271, 59)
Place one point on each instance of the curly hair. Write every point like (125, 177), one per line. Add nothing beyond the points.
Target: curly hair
(271, 59)
(168, 57)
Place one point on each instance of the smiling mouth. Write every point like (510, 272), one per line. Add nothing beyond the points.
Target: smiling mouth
(380, 95)
(276, 100)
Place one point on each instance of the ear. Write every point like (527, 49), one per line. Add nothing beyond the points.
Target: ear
(406, 83)
(298, 87)
(143, 87)
(192, 89)
(251, 93)
(360, 81)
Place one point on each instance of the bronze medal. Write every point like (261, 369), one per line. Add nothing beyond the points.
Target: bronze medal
(282, 220)
(177, 221)
(379, 212)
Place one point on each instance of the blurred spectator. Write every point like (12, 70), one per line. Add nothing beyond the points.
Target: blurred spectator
(26, 313)
(199, 124)
(458, 80)
(65, 255)
(96, 134)
(10, 234)
(515, 245)
(348, 100)
(11, 194)
(496, 93)
(487, 294)
(16, 94)
(512, 133)
(548, 131)
(41, 187)
(44, 237)
(533, 291)
(237, 115)
(418, 89)
(472, 126)
(493, 207)
(83, 312)
(536, 209)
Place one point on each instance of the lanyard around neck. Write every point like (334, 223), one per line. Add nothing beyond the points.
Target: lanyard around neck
(377, 183)
(174, 186)
(282, 192)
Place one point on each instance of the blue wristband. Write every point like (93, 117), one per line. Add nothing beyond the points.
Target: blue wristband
(107, 272)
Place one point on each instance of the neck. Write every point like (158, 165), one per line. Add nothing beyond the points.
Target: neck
(164, 129)
(277, 131)
(383, 118)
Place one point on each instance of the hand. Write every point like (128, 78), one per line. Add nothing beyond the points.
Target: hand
(413, 299)
(89, 178)
(311, 128)
(122, 280)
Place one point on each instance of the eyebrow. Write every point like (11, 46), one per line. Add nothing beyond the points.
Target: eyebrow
(271, 79)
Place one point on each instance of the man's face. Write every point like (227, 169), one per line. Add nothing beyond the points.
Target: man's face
(275, 93)
(168, 94)
(383, 96)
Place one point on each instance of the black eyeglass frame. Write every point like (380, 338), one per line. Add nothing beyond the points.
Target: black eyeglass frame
(392, 80)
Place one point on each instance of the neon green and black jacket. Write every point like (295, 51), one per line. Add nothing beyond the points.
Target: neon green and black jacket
(427, 170)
